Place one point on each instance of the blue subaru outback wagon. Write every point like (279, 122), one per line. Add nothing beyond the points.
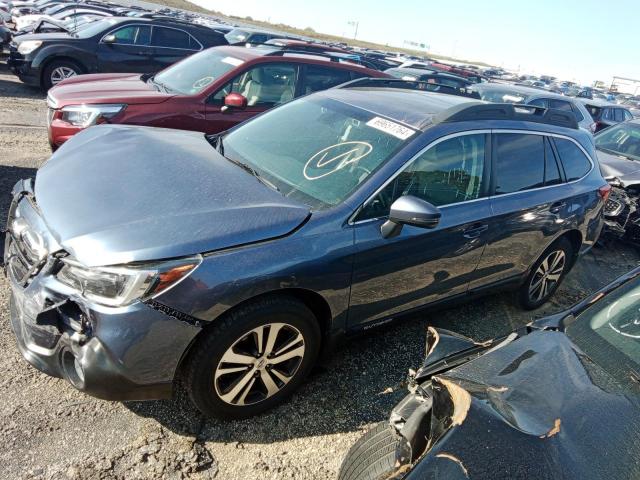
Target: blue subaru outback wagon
(142, 255)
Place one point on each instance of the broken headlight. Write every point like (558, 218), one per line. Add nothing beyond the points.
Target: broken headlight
(123, 285)
(87, 115)
(26, 47)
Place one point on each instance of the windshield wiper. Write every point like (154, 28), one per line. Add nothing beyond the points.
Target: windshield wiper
(217, 143)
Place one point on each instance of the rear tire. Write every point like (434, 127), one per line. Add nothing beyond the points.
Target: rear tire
(546, 274)
(373, 456)
(236, 370)
(58, 70)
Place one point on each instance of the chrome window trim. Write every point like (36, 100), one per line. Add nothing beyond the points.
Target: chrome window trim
(474, 132)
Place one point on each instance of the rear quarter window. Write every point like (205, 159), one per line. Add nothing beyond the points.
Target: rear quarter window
(575, 162)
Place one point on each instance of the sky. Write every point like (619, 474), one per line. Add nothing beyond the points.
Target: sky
(580, 40)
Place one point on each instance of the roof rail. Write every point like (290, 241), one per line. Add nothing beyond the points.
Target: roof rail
(332, 56)
(411, 85)
(508, 111)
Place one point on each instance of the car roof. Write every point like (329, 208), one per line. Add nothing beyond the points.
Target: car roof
(250, 53)
(424, 71)
(521, 89)
(411, 107)
(596, 102)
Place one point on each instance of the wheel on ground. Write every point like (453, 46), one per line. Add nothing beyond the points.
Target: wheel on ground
(59, 70)
(253, 358)
(373, 456)
(547, 274)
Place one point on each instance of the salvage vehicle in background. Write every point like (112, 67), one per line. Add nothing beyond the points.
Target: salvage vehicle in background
(231, 261)
(207, 92)
(541, 402)
(618, 150)
(499, 93)
(114, 44)
(606, 114)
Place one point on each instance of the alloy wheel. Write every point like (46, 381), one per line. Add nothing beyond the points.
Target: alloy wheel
(259, 364)
(60, 73)
(547, 275)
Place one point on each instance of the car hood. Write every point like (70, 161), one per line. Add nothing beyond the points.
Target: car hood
(115, 194)
(628, 171)
(105, 88)
(534, 408)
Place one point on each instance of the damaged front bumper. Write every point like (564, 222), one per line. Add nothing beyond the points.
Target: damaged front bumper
(124, 353)
(621, 215)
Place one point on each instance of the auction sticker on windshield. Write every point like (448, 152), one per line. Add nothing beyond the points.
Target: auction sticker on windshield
(392, 128)
(233, 61)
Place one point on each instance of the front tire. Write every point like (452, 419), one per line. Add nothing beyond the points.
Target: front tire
(253, 358)
(59, 70)
(546, 274)
(373, 456)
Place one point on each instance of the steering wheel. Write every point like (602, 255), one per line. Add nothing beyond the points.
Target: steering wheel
(202, 82)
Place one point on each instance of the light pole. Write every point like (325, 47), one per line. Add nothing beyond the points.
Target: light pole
(355, 24)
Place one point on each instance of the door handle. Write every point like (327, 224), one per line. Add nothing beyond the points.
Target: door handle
(474, 231)
(556, 207)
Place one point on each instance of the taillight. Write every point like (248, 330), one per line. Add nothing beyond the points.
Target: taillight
(604, 192)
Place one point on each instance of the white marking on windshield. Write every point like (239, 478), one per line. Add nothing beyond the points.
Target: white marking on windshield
(334, 158)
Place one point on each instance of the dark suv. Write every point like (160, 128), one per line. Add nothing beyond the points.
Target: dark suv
(115, 44)
(209, 92)
(142, 254)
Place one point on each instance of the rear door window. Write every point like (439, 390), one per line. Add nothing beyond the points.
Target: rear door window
(575, 162)
(519, 162)
(171, 38)
(618, 116)
(320, 78)
(551, 170)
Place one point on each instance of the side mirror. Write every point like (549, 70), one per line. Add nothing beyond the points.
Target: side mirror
(410, 210)
(234, 101)
(111, 38)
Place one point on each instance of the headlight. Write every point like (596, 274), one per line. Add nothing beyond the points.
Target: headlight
(87, 115)
(119, 286)
(28, 46)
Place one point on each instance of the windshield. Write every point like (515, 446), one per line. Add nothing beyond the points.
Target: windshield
(622, 139)
(236, 36)
(195, 73)
(96, 27)
(316, 150)
(609, 330)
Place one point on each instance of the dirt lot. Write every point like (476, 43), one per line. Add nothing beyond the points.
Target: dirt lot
(48, 430)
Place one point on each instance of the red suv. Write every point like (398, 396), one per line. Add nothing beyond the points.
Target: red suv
(209, 92)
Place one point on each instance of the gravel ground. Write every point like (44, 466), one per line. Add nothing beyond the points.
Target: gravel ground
(50, 431)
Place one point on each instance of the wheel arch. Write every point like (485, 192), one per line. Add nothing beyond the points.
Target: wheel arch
(315, 302)
(575, 239)
(60, 57)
